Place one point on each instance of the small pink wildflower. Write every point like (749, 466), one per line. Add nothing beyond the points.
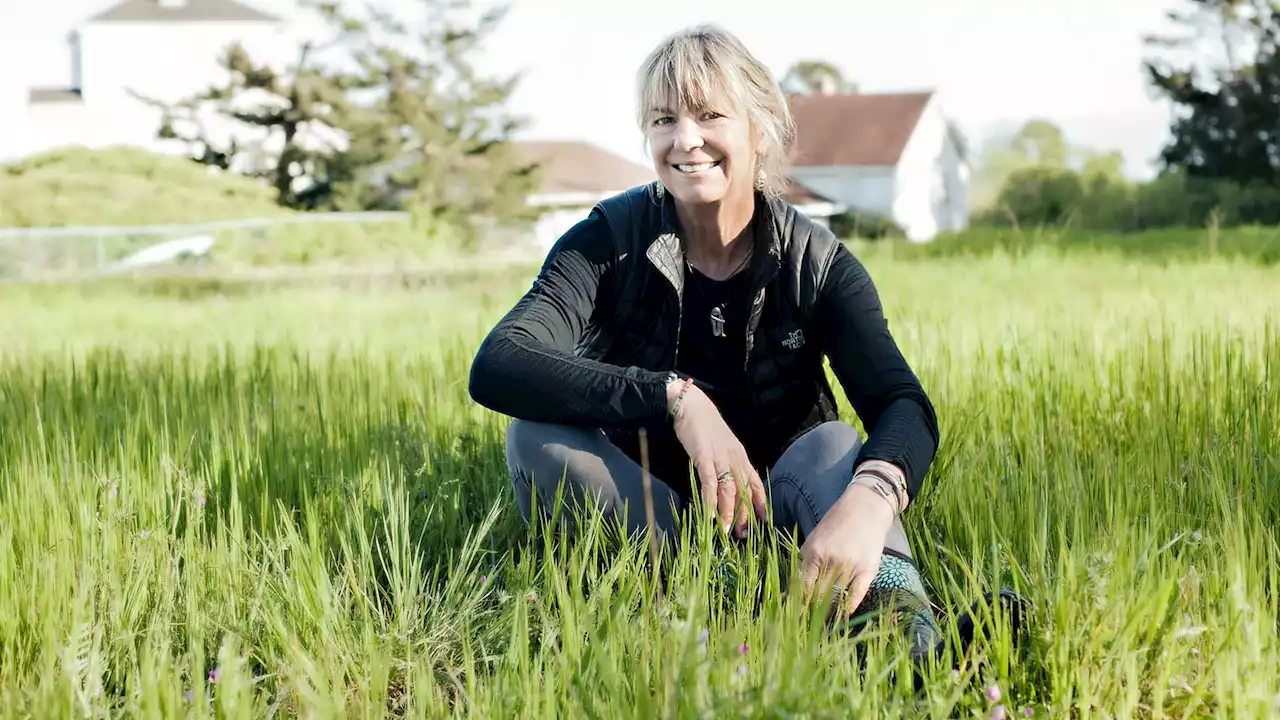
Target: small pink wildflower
(1028, 712)
(484, 579)
(993, 692)
(743, 649)
(999, 713)
(213, 675)
(702, 637)
(189, 695)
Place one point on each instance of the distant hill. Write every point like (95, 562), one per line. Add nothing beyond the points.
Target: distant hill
(124, 186)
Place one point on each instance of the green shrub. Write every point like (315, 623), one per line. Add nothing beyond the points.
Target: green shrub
(863, 224)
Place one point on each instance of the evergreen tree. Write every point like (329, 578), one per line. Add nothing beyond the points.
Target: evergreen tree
(384, 114)
(815, 76)
(1223, 77)
(436, 135)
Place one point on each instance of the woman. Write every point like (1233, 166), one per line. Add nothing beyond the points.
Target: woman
(700, 308)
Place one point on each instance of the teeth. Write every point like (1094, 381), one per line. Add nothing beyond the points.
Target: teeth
(696, 168)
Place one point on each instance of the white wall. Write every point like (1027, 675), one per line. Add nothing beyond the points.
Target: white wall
(866, 188)
(13, 102)
(932, 180)
(168, 61)
(178, 61)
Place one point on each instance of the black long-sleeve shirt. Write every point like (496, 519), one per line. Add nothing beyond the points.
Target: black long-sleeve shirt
(527, 367)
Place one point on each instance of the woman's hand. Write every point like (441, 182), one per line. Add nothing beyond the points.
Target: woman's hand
(715, 451)
(844, 549)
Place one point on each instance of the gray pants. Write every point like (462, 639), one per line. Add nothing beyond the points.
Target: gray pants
(804, 483)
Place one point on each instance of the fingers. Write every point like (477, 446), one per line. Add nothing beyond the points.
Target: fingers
(756, 488)
(820, 578)
(812, 569)
(727, 492)
(717, 497)
(743, 515)
(751, 500)
(859, 584)
(715, 453)
(707, 483)
(838, 587)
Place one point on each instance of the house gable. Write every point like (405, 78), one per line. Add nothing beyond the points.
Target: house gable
(842, 130)
(895, 155)
(181, 11)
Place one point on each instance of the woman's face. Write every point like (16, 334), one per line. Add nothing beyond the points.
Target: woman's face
(704, 155)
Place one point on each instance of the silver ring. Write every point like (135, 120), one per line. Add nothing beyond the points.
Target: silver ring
(724, 477)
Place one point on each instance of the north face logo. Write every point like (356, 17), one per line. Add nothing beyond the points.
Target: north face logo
(793, 340)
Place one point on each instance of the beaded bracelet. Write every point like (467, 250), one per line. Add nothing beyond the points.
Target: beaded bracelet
(675, 406)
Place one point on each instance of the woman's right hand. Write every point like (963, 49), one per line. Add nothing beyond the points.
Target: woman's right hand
(714, 450)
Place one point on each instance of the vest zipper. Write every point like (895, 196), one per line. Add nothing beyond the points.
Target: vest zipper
(753, 321)
(675, 361)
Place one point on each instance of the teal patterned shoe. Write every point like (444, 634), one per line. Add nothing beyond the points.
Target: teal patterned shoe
(898, 589)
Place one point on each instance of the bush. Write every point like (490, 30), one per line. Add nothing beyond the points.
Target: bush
(1065, 198)
(867, 225)
(1041, 195)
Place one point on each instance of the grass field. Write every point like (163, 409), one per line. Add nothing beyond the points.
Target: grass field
(255, 503)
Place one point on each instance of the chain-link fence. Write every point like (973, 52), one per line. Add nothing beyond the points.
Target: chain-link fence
(312, 241)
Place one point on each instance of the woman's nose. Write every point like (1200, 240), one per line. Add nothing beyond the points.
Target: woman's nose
(688, 134)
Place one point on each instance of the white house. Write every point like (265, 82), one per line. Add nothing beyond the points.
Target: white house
(163, 49)
(891, 154)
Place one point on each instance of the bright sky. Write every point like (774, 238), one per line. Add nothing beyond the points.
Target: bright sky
(995, 63)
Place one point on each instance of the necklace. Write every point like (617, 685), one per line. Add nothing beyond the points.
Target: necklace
(717, 311)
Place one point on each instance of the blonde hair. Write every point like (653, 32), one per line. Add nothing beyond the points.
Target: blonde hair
(701, 65)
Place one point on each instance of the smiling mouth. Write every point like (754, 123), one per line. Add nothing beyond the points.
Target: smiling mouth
(689, 169)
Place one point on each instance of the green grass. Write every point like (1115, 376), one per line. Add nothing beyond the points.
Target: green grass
(124, 186)
(289, 486)
(1254, 243)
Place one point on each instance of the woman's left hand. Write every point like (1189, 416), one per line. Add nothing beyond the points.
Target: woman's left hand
(844, 549)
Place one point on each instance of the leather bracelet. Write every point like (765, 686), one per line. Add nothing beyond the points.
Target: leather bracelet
(889, 473)
(881, 488)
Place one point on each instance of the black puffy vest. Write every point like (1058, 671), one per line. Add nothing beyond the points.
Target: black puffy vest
(783, 346)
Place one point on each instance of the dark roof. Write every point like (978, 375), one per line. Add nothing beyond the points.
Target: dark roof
(42, 96)
(798, 194)
(148, 11)
(574, 166)
(854, 129)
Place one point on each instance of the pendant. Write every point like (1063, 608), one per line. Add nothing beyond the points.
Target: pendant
(717, 322)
